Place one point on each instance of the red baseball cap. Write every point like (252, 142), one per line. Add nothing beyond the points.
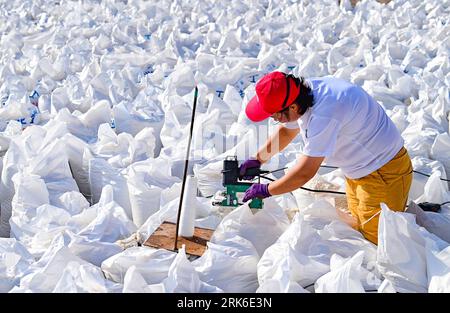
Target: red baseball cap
(274, 92)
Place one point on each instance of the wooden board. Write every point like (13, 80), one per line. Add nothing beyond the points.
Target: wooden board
(164, 238)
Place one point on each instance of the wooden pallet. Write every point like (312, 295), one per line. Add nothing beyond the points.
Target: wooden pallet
(164, 238)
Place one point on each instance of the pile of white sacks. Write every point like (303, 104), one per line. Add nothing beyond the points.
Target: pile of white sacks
(96, 100)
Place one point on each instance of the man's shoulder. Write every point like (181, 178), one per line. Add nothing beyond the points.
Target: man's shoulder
(329, 87)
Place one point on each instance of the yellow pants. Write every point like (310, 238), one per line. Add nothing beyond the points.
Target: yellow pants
(389, 184)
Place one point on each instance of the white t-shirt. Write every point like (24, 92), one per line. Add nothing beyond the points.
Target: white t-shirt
(347, 127)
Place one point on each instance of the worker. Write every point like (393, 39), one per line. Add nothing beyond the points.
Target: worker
(341, 125)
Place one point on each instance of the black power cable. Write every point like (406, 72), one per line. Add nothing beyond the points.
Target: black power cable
(304, 188)
(308, 189)
(447, 180)
(330, 191)
(327, 166)
(311, 285)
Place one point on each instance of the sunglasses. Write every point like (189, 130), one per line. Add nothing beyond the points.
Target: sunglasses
(278, 115)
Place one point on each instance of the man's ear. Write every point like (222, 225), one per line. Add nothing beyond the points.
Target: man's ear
(294, 106)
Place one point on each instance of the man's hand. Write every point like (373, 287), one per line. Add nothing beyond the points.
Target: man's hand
(250, 163)
(257, 191)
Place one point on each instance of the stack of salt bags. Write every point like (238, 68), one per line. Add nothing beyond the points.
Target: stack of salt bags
(409, 257)
(37, 177)
(262, 252)
(46, 205)
(73, 85)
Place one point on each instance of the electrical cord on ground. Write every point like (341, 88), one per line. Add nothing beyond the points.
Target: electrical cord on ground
(310, 285)
(334, 167)
(417, 172)
(284, 168)
(312, 190)
(274, 171)
(447, 180)
(331, 191)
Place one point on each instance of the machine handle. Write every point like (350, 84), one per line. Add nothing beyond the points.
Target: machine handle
(253, 171)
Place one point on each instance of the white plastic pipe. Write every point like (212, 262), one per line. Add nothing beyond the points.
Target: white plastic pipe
(187, 215)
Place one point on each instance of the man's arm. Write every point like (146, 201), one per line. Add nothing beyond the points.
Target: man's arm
(300, 174)
(276, 143)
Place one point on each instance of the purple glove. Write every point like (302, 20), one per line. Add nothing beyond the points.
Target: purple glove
(257, 191)
(250, 163)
